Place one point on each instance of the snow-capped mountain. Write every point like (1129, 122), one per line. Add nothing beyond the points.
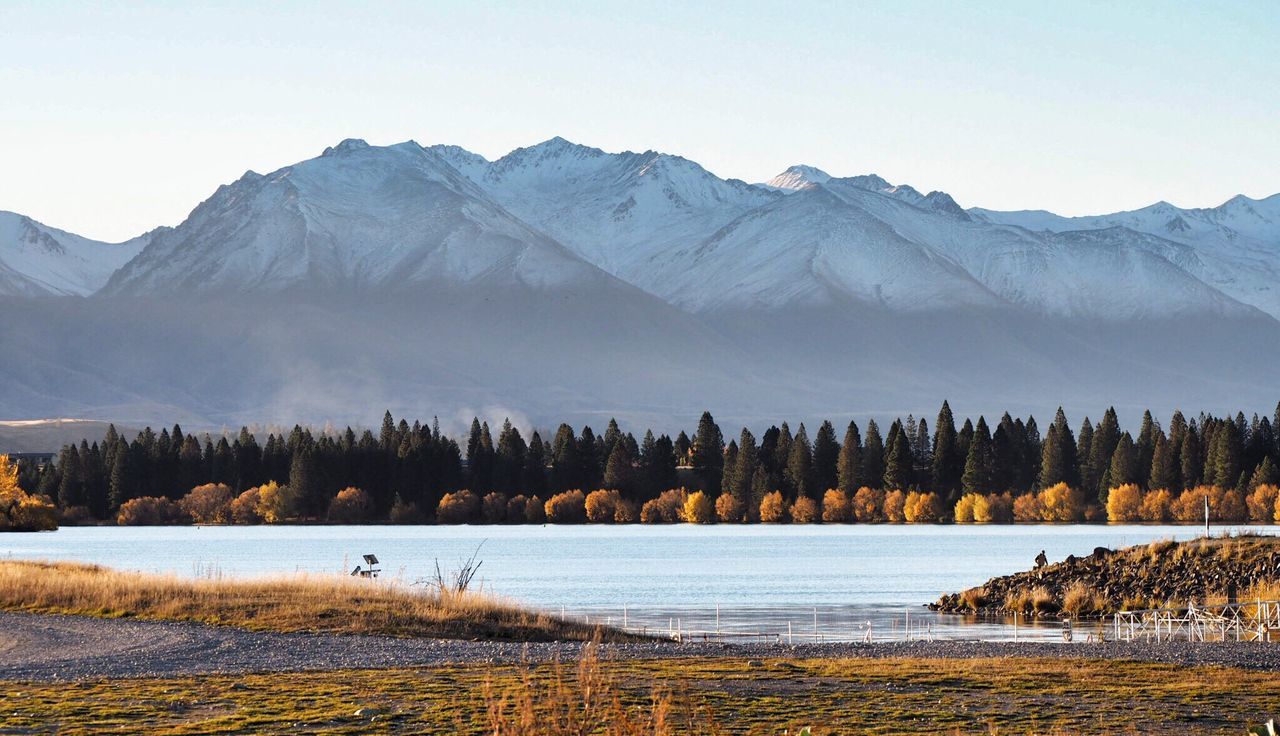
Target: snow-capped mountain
(619, 211)
(1235, 246)
(562, 281)
(357, 216)
(36, 259)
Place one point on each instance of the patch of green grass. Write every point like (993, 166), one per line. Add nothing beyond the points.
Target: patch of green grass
(873, 696)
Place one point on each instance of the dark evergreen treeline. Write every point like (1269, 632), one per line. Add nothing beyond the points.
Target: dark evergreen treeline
(418, 464)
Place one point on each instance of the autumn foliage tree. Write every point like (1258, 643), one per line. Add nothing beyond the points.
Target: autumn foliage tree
(1124, 503)
(350, 506)
(773, 508)
(20, 511)
(208, 504)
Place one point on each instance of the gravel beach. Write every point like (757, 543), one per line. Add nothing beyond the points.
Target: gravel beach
(48, 647)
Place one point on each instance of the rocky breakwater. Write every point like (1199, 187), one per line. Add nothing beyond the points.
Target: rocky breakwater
(1160, 574)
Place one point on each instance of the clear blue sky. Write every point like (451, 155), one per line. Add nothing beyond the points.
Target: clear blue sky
(117, 117)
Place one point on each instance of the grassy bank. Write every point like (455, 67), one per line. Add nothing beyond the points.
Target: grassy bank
(889, 696)
(1160, 574)
(315, 603)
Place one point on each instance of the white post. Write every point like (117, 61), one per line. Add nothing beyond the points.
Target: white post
(906, 625)
(1206, 515)
(717, 620)
(624, 615)
(815, 622)
(789, 632)
(1015, 627)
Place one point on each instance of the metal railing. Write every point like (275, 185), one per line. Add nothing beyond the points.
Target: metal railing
(1257, 620)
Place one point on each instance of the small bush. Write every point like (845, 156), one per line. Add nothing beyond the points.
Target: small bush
(1060, 502)
(773, 509)
(667, 508)
(868, 505)
(602, 506)
(244, 508)
(208, 504)
(698, 509)
(535, 511)
(459, 507)
(1124, 503)
(403, 512)
(1042, 600)
(75, 516)
(805, 511)
(626, 513)
(276, 503)
(922, 508)
(1081, 600)
(1155, 506)
(350, 506)
(493, 507)
(894, 506)
(151, 511)
(1262, 503)
(836, 507)
(569, 507)
(728, 510)
(1027, 507)
(964, 508)
(994, 508)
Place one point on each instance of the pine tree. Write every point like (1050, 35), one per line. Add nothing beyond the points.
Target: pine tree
(304, 483)
(1058, 455)
(1124, 462)
(947, 464)
(592, 464)
(619, 474)
(71, 487)
(873, 456)
(899, 462)
(509, 461)
(1164, 466)
(708, 453)
(799, 472)
(978, 465)
(778, 466)
(1266, 472)
(1105, 437)
(1146, 447)
(744, 474)
(729, 477)
(849, 465)
(611, 436)
(566, 466)
(826, 457)
(1227, 444)
(1190, 462)
(535, 468)
(1088, 472)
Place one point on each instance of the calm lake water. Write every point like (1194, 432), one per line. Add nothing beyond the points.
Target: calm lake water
(761, 577)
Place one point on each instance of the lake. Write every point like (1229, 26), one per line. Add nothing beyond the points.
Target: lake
(761, 578)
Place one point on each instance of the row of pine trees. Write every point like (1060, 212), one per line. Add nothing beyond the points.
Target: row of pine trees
(418, 464)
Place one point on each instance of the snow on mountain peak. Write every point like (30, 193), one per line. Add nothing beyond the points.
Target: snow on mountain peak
(798, 177)
(348, 144)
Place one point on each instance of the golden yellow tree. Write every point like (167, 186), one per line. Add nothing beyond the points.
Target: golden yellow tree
(1124, 503)
(20, 511)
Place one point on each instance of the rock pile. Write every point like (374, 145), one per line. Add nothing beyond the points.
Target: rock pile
(1160, 574)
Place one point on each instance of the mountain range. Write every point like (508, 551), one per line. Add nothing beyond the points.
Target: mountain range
(564, 282)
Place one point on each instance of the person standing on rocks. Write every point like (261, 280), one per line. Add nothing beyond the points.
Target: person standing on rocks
(1041, 560)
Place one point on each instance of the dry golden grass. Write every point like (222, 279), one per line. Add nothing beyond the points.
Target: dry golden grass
(975, 598)
(1081, 600)
(316, 603)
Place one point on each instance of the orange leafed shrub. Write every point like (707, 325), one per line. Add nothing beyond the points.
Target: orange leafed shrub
(1060, 502)
(351, 506)
(993, 508)
(151, 511)
(275, 503)
(569, 507)
(602, 506)
(1223, 505)
(208, 504)
(699, 509)
(922, 508)
(1262, 503)
(627, 512)
(244, 508)
(1027, 507)
(805, 511)
(868, 505)
(535, 511)
(459, 507)
(1156, 505)
(728, 510)
(836, 506)
(404, 512)
(667, 508)
(894, 505)
(1124, 503)
(773, 509)
(19, 510)
(964, 508)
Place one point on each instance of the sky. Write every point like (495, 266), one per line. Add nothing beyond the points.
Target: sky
(119, 117)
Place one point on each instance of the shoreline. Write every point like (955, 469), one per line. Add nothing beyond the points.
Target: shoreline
(53, 647)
